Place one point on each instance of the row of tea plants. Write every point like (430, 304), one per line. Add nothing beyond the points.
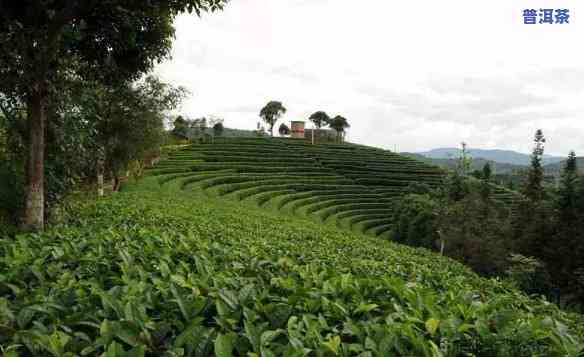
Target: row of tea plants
(153, 272)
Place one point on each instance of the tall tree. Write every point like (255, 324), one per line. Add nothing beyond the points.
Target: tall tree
(564, 248)
(340, 125)
(130, 121)
(271, 113)
(578, 274)
(320, 119)
(180, 128)
(465, 160)
(534, 221)
(487, 172)
(458, 220)
(197, 128)
(567, 192)
(533, 189)
(113, 40)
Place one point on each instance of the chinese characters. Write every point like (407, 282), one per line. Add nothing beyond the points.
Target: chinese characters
(546, 16)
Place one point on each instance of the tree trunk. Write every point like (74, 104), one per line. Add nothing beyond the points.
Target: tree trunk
(116, 181)
(34, 211)
(100, 190)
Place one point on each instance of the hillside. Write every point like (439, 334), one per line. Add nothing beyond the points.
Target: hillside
(164, 271)
(476, 164)
(350, 185)
(198, 133)
(230, 132)
(499, 156)
(556, 168)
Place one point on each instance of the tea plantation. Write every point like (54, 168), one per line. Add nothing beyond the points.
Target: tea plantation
(165, 268)
(352, 186)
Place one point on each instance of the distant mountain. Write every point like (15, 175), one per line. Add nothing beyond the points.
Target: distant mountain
(556, 168)
(477, 164)
(499, 156)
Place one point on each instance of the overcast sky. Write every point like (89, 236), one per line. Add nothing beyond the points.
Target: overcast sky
(408, 74)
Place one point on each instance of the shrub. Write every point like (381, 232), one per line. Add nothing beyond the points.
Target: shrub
(528, 274)
(416, 221)
(158, 273)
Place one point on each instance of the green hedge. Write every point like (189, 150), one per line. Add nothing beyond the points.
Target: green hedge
(203, 177)
(306, 184)
(381, 230)
(318, 192)
(363, 212)
(365, 226)
(165, 171)
(317, 207)
(316, 198)
(163, 179)
(262, 198)
(365, 217)
(325, 214)
(259, 158)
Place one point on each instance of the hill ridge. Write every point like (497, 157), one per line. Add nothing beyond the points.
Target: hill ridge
(352, 186)
(497, 155)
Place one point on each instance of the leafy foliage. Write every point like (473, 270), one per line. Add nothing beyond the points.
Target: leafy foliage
(533, 188)
(462, 219)
(166, 272)
(487, 172)
(340, 125)
(528, 273)
(549, 228)
(284, 130)
(320, 119)
(271, 112)
(218, 129)
(111, 42)
(351, 186)
(128, 119)
(416, 221)
(89, 124)
(180, 128)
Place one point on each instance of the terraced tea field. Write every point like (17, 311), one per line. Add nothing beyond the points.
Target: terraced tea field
(173, 270)
(349, 185)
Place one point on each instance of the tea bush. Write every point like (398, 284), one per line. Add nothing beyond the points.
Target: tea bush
(167, 272)
(283, 173)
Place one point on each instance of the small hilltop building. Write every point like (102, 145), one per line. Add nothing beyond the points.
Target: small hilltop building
(297, 129)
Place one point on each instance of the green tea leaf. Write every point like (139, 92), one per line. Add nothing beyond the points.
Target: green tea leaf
(432, 325)
(224, 345)
(333, 344)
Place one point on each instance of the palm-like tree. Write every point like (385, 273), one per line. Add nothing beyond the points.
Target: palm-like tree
(339, 124)
(271, 113)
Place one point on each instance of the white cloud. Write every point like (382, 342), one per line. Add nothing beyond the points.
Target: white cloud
(412, 74)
